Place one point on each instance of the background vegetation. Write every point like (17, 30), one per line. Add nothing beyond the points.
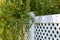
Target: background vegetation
(14, 18)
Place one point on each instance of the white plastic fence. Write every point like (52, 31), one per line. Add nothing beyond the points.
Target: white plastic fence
(46, 28)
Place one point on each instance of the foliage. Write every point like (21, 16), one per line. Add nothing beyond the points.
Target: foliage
(14, 18)
(46, 7)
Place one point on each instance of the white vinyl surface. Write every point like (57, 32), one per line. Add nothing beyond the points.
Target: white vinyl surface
(46, 28)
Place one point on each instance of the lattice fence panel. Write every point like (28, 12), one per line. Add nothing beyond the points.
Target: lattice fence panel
(47, 31)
